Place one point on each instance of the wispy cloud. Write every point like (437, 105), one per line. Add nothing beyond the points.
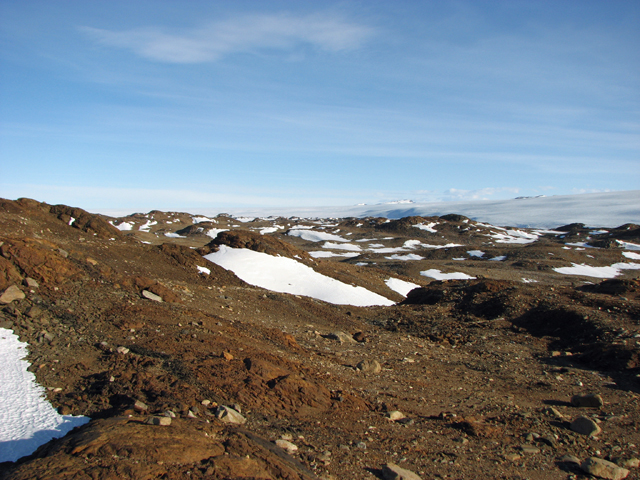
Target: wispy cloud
(243, 34)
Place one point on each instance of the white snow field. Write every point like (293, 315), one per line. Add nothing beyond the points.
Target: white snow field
(285, 275)
(27, 419)
(605, 209)
(597, 272)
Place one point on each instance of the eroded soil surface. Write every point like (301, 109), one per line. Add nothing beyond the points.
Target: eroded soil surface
(482, 370)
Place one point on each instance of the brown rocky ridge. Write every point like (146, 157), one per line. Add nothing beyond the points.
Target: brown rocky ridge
(186, 374)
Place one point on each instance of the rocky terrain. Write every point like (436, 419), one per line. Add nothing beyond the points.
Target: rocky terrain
(525, 369)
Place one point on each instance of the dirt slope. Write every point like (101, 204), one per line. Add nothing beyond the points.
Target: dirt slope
(482, 371)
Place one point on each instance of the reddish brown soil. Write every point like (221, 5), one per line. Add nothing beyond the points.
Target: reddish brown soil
(473, 365)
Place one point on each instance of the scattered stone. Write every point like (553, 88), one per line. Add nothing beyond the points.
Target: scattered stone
(139, 406)
(529, 449)
(122, 350)
(92, 261)
(190, 414)
(34, 312)
(229, 415)
(287, 445)
(151, 296)
(553, 412)
(360, 337)
(325, 457)
(570, 459)
(227, 356)
(549, 440)
(512, 457)
(391, 471)
(585, 426)
(163, 421)
(341, 337)
(10, 294)
(395, 415)
(169, 413)
(205, 402)
(369, 366)
(590, 400)
(626, 462)
(30, 282)
(603, 469)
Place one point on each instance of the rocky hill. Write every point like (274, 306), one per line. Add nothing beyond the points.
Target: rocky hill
(499, 353)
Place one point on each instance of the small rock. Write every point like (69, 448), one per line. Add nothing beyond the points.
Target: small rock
(626, 462)
(190, 414)
(391, 471)
(30, 282)
(151, 296)
(122, 350)
(34, 312)
(570, 459)
(169, 413)
(341, 337)
(360, 337)
(512, 457)
(64, 410)
(529, 449)
(549, 440)
(205, 402)
(227, 356)
(10, 294)
(163, 421)
(590, 400)
(553, 412)
(369, 366)
(361, 445)
(287, 445)
(585, 426)
(229, 415)
(395, 415)
(139, 406)
(92, 261)
(603, 469)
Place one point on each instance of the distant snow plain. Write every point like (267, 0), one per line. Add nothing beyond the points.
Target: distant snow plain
(604, 209)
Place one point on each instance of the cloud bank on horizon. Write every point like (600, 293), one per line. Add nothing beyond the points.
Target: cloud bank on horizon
(227, 104)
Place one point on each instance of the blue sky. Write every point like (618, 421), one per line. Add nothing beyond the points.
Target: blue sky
(220, 104)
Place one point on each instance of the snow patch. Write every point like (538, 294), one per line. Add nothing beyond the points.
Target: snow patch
(342, 246)
(405, 258)
(124, 226)
(438, 275)
(27, 419)
(325, 254)
(285, 275)
(597, 272)
(313, 236)
(427, 226)
(213, 233)
(400, 286)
